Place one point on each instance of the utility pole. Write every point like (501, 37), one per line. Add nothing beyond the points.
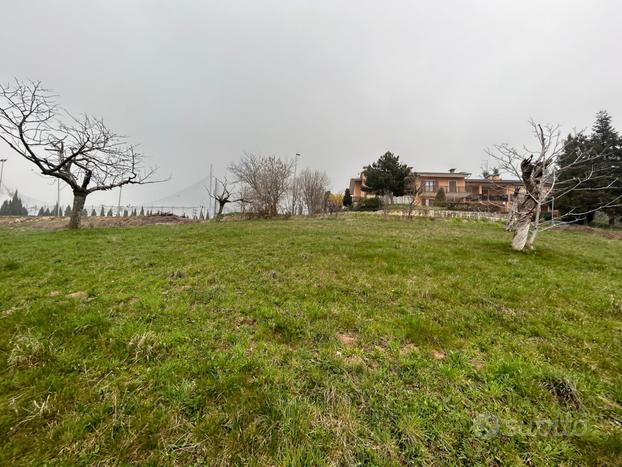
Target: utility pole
(294, 184)
(210, 189)
(119, 202)
(58, 197)
(2, 161)
(61, 152)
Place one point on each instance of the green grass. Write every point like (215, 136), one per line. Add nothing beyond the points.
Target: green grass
(307, 342)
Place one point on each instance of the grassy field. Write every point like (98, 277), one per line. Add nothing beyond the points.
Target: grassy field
(309, 342)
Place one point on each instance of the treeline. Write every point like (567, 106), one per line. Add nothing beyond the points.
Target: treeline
(57, 211)
(13, 207)
(599, 177)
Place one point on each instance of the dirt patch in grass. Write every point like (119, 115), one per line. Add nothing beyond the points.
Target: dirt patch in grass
(346, 339)
(60, 223)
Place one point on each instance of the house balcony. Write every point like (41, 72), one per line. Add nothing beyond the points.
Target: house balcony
(450, 195)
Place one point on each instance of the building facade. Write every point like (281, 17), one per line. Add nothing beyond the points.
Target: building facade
(491, 193)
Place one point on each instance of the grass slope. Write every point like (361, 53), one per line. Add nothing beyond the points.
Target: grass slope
(309, 342)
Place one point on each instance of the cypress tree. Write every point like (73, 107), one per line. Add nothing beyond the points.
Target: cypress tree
(440, 198)
(13, 207)
(347, 198)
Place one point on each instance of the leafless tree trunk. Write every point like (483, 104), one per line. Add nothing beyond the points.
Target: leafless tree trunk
(222, 196)
(76, 212)
(414, 188)
(539, 171)
(82, 152)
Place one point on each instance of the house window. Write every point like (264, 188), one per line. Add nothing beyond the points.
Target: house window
(430, 185)
(452, 186)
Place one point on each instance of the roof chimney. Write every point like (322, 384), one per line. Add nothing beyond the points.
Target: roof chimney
(452, 171)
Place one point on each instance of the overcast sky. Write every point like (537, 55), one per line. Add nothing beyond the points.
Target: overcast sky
(341, 82)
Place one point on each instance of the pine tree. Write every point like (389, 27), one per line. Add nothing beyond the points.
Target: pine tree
(347, 198)
(109, 213)
(47, 212)
(386, 176)
(133, 212)
(125, 213)
(440, 198)
(67, 211)
(142, 212)
(606, 169)
(93, 213)
(201, 215)
(41, 212)
(102, 213)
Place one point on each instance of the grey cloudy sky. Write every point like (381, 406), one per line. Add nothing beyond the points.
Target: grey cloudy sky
(199, 82)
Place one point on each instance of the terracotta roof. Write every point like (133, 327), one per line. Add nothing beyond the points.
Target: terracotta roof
(443, 174)
(495, 182)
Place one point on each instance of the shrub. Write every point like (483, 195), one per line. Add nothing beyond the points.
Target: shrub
(370, 204)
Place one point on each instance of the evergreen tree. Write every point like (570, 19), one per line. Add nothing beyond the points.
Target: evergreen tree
(347, 198)
(93, 213)
(440, 198)
(201, 215)
(109, 213)
(142, 212)
(102, 213)
(606, 169)
(67, 211)
(41, 212)
(125, 213)
(133, 212)
(13, 207)
(386, 176)
(47, 212)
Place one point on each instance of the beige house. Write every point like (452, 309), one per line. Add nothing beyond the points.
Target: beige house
(491, 192)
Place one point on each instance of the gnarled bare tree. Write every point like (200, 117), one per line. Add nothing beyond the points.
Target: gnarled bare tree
(82, 152)
(223, 196)
(413, 187)
(539, 170)
(312, 185)
(264, 180)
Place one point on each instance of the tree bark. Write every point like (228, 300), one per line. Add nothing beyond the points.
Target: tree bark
(79, 198)
(521, 232)
(534, 230)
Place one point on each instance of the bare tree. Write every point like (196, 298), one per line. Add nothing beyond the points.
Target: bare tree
(312, 185)
(539, 170)
(223, 196)
(264, 180)
(413, 187)
(82, 152)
